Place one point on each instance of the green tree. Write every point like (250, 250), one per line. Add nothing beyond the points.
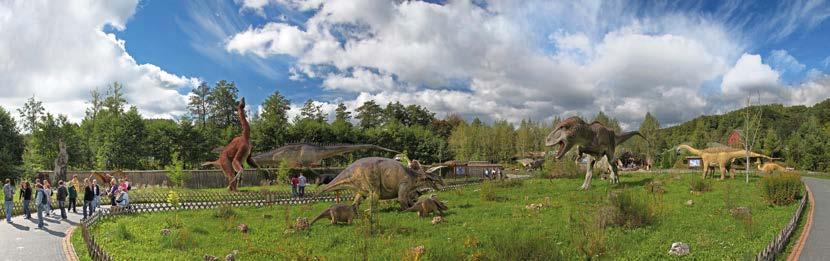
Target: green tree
(270, 130)
(11, 149)
(312, 112)
(222, 101)
(283, 171)
(771, 143)
(199, 106)
(341, 114)
(370, 114)
(175, 171)
(395, 112)
(650, 128)
(30, 113)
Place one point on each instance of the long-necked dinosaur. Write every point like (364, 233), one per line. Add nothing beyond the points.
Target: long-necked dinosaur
(593, 139)
(722, 156)
(236, 152)
(306, 155)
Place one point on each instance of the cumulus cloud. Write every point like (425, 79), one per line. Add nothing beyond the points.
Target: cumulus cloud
(59, 51)
(487, 61)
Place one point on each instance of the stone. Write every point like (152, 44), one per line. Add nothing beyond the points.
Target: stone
(231, 256)
(689, 202)
(534, 206)
(437, 219)
(679, 249)
(165, 232)
(301, 223)
(243, 228)
(210, 258)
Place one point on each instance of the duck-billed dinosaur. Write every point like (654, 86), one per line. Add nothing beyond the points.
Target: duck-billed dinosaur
(236, 152)
(593, 139)
(720, 156)
(306, 155)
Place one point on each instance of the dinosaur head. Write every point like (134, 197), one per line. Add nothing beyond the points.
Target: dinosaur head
(241, 105)
(430, 178)
(566, 134)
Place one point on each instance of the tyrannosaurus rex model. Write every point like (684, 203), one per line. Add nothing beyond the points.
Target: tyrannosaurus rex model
(236, 152)
(386, 178)
(722, 156)
(593, 139)
(305, 155)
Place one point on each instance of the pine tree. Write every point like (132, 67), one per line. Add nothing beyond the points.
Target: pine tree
(370, 114)
(198, 105)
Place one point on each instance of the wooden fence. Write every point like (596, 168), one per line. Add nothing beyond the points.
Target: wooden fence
(199, 200)
(780, 241)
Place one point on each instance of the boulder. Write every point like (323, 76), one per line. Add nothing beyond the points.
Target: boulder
(165, 232)
(243, 228)
(679, 249)
(301, 223)
(231, 256)
(689, 202)
(437, 219)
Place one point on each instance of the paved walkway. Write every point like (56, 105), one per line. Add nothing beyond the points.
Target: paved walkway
(817, 246)
(21, 240)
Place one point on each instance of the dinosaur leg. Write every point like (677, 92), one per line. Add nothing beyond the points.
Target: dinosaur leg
(404, 196)
(237, 167)
(587, 183)
(357, 198)
(612, 167)
(722, 166)
(227, 169)
(705, 169)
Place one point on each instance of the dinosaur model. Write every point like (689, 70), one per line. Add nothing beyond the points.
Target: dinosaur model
(337, 213)
(722, 156)
(305, 155)
(386, 178)
(592, 139)
(531, 164)
(428, 205)
(236, 152)
(61, 161)
(770, 167)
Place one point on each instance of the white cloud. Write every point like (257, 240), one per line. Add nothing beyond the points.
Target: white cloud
(59, 52)
(783, 62)
(272, 39)
(749, 75)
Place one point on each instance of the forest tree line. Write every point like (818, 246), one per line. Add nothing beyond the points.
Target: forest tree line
(113, 135)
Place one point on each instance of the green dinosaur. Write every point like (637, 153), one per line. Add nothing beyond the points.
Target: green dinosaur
(593, 139)
(305, 155)
(386, 178)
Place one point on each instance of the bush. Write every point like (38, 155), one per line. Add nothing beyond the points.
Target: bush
(224, 211)
(700, 185)
(488, 191)
(629, 210)
(122, 232)
(175, 171)
(781, 189)
(561, 168)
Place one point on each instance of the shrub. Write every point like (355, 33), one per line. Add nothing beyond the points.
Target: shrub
(122, 232)
(488, 191)
(182, 239)
(781, 189)
(700, 185)
(521, 244)
(175, 171)
(561, 168)
(224, 211)
(629, 210)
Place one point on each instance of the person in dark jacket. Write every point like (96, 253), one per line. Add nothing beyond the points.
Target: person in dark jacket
(73, 197)
(113, 191)
(62, 193)
(26, 197)
(89, 195)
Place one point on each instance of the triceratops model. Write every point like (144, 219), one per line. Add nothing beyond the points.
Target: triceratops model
(428, 205)
(386, 178)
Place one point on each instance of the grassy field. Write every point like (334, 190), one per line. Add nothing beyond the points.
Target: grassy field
(475, 228)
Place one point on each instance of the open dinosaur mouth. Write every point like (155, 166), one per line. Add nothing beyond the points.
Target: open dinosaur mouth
(561, 151)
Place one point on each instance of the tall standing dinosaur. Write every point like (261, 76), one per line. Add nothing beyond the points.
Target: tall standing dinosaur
(236, 152)
(306, 155)
(593, 139)
(61, 161)
(722, 156)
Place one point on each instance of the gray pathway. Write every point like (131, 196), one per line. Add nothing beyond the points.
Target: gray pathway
(21, 240)
(817, 246)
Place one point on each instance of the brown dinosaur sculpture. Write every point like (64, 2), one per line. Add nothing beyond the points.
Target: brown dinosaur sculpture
(61, 161)
(386, 178)
(306, 155)
(337, 213)
(593, 139)
(532, 164)
(236, 152)
(428, 205)
(722, 156)
(770, 167)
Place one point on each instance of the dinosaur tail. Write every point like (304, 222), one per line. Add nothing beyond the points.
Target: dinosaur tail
(413, 208)
(333, 185)
(627, 135)
(322, 215)
(210, 163)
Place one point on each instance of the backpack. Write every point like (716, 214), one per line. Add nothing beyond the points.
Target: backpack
(43, 199)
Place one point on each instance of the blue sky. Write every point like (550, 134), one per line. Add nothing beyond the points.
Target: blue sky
(494, 60)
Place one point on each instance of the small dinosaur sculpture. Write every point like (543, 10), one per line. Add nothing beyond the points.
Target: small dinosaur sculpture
(722, 156)
(236, 152)
(531, 164)
(337, 213)
(306, 155)
(593, 139)
(387, 178)
(770, 167)
(428, 205)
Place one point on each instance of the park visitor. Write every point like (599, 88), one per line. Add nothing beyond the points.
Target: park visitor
(123, 199)
(73, 195)
(127, 183)
(88, 198)
(112, 191)
(294, 183)
(302, 181)
(26, 197)
(96, 194)
(47, 187)
(123, 186)
(40, 203)
(8, 192)
(62, 194)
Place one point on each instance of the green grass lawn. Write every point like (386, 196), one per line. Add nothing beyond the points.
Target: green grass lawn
(474, 228)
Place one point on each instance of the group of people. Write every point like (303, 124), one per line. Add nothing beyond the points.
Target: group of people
(298, 184)
(493, 174)
(66, 196)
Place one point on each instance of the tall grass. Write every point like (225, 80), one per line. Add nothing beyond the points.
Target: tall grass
(781, 189)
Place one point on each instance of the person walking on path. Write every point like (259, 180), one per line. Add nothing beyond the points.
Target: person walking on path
(113, 191)
(88, 198)
(62, 193)
(8, 192)
(47, 187)
(73, 196)
(40, 202)
(26, 197)
(302, 184)
(96, 195)
(294, 183)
